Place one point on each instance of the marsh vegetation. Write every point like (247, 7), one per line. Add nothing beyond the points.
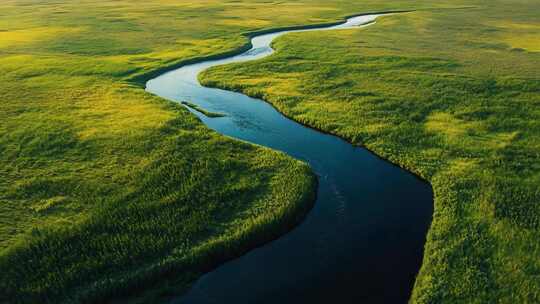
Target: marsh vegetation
(104, 188)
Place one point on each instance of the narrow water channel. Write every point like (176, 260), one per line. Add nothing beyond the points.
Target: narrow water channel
(362, 242)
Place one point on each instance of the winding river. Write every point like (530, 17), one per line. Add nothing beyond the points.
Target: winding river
(362, 242)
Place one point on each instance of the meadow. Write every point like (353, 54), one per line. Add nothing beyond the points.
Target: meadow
(452, 95)
(107, 192)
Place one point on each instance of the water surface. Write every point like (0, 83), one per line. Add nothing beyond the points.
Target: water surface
(363, 240)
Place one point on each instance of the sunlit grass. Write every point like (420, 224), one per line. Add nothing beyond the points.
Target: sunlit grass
(26, 37)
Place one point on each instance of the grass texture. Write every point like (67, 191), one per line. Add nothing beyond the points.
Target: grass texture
(109, 193)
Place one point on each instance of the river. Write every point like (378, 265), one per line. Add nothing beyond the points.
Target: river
(363, 240)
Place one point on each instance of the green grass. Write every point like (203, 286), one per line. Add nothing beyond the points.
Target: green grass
(201, 110)
(106, 190)
(447, 95)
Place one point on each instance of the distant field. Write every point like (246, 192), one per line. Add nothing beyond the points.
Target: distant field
(105, 189)
(453, 95)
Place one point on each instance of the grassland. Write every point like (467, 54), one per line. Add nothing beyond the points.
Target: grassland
(105, 189)
(453, 95)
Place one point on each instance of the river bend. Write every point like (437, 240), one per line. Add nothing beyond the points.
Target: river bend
(362, 242)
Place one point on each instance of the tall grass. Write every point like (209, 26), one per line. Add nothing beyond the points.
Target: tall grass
(188, 212)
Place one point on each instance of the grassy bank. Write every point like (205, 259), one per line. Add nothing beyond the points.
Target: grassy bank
(201, 110)
(452, 95)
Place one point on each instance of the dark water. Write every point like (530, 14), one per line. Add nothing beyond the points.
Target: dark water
(363, 240)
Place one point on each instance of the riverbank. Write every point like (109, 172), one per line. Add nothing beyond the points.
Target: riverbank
(140, 79)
